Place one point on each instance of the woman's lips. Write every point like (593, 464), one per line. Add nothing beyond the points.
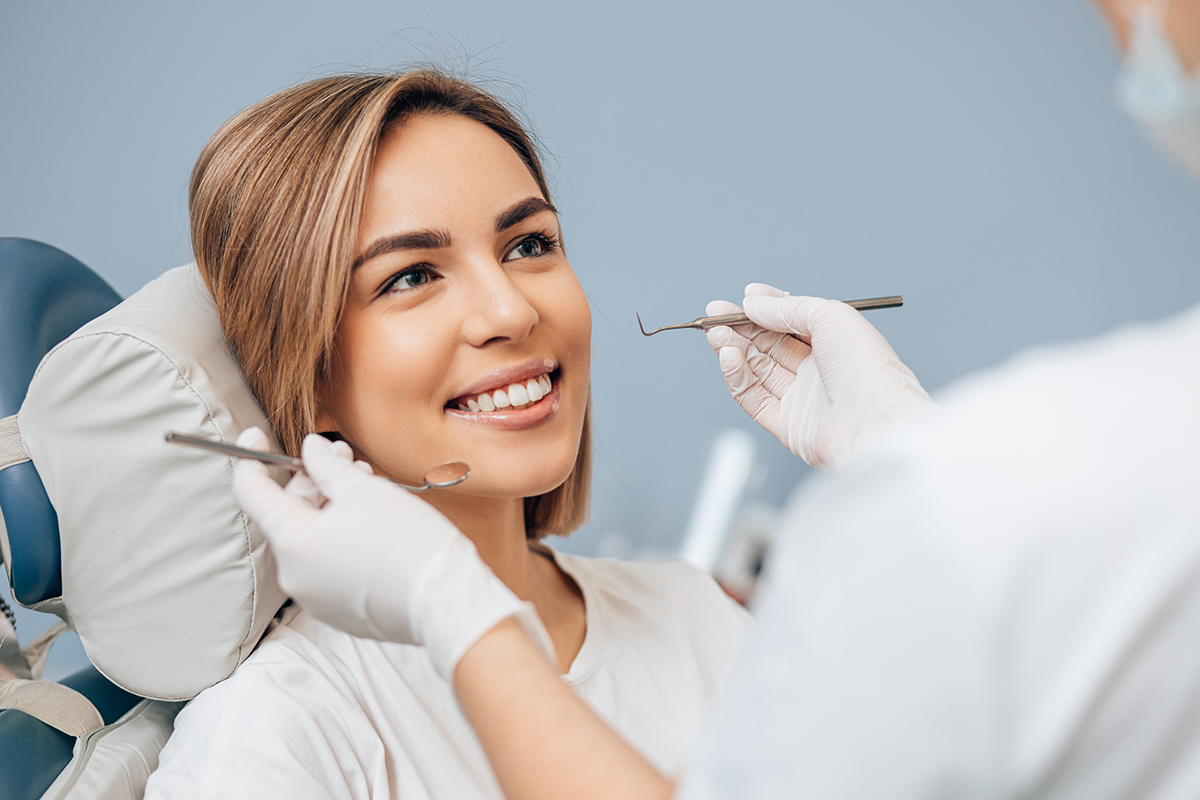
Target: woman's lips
(512, 419)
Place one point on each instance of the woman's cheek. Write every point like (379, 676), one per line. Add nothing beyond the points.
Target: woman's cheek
(573, 317)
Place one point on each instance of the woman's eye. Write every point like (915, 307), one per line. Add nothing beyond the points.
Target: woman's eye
(530, 247)
(410, 278)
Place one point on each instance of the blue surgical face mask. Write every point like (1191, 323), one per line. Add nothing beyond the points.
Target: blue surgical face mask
(1156, 90)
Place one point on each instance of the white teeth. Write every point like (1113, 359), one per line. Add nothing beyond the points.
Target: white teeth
(517, 395)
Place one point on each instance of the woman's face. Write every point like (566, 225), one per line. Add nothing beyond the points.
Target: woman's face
(462, 313)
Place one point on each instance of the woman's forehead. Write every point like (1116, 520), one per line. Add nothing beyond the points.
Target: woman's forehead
(435, 160)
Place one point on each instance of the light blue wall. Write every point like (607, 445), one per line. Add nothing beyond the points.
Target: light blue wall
(965, 154)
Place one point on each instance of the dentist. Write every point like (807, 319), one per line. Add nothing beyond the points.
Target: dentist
(996, 599)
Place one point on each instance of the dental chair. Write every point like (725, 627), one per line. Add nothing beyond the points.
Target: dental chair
(135, 544)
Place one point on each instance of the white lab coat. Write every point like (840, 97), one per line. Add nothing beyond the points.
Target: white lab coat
(999, 600)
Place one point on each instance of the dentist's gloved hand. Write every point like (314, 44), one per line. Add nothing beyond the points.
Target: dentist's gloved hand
(820, 395)
(363, 555)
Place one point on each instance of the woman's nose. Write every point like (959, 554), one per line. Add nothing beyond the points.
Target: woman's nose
(499, 311)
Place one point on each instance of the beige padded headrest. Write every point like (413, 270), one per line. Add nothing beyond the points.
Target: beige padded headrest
(164, 578)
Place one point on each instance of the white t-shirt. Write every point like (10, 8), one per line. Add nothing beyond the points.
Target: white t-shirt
(316, 713)
(998, 601)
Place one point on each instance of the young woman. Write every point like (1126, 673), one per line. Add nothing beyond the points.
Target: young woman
(388, 266)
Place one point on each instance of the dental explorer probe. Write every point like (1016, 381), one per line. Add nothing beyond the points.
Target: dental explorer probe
(442, 476)
(704, 323)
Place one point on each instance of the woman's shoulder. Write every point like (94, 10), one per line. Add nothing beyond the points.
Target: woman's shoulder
(306, 664)
(297, 698)
(296, 651)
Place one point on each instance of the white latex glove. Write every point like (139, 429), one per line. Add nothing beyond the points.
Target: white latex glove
(818, 393)
(363, 555)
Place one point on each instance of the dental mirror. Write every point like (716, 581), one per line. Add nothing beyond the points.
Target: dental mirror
(442, 476)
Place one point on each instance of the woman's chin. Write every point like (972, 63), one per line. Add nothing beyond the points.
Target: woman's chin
(514, 490)
(495, 483)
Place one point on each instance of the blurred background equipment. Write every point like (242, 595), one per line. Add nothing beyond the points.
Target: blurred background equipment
(729, 470)
(731, 530)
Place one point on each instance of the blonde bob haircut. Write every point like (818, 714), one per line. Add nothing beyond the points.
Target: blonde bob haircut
(275, 201)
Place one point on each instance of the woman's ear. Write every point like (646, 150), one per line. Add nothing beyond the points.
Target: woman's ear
(325, 422)
(326, 425)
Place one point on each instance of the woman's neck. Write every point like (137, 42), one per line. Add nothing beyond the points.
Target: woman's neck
(496, 526)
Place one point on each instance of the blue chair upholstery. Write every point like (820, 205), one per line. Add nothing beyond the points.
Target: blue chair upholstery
(45, 295)
(32, 753)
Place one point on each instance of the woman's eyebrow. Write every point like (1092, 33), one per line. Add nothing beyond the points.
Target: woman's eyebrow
(415, 240)
(430, 239)
(525, 208)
